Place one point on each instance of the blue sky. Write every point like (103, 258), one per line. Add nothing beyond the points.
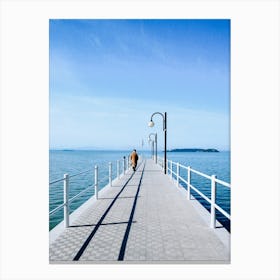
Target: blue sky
(107, 77)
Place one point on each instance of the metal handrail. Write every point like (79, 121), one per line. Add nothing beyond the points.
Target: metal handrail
(66, 178)
(203, 175)
(79, 194)
(86, 171)
(196, 190)
(56, 181)
(213, 180)
(223, 183)
(56, 209)
(60, 180)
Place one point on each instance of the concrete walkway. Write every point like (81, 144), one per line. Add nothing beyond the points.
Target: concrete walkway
(142, 218)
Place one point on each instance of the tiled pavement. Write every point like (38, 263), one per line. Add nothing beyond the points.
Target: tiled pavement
(157, 225)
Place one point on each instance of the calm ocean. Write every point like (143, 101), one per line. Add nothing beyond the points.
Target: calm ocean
(75, 161)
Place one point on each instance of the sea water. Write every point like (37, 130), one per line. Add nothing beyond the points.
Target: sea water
(76, 161)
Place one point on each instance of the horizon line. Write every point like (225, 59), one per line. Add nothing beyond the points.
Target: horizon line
(144, 150)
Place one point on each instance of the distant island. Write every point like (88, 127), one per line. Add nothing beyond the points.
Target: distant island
(194, 150)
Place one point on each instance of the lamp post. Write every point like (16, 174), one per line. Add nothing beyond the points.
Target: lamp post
(152, 147)
(154, 134)
(151, 124)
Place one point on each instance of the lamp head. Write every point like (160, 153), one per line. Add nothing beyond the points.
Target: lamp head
(151, 123)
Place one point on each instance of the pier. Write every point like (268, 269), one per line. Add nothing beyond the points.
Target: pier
(143, 216)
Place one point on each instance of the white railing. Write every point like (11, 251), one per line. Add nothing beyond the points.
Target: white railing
(214, 181)
(66, 185)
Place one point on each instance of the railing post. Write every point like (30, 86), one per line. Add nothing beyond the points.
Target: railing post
(66, 200)
(127, 161)
(96, 181)
(118, 169)
(123, 165)
(110, 174)
(171, 168)
(178, 170)
(189, 182)
(213, 202)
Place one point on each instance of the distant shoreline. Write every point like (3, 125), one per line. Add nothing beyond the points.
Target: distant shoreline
(194, 150)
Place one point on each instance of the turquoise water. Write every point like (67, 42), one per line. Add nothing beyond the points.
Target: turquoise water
(73, 162)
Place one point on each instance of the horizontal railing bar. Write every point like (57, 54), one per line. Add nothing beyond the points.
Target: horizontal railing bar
(217, 206)
(182, 179)
(222, 211)
(74, 197)
(56, 209)
(173, 172)
(71, 176)
(77, 195)
(62, 179)
(223, 183)
(200, 193)
(59, 180)
(183, 166)
(80, 173)
(195, 189)
(80, 193)
(201, 174)
(206, 176)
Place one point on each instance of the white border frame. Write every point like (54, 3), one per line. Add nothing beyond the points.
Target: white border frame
(254, 142)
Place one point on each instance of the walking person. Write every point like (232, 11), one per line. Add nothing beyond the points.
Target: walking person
(134, 159)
